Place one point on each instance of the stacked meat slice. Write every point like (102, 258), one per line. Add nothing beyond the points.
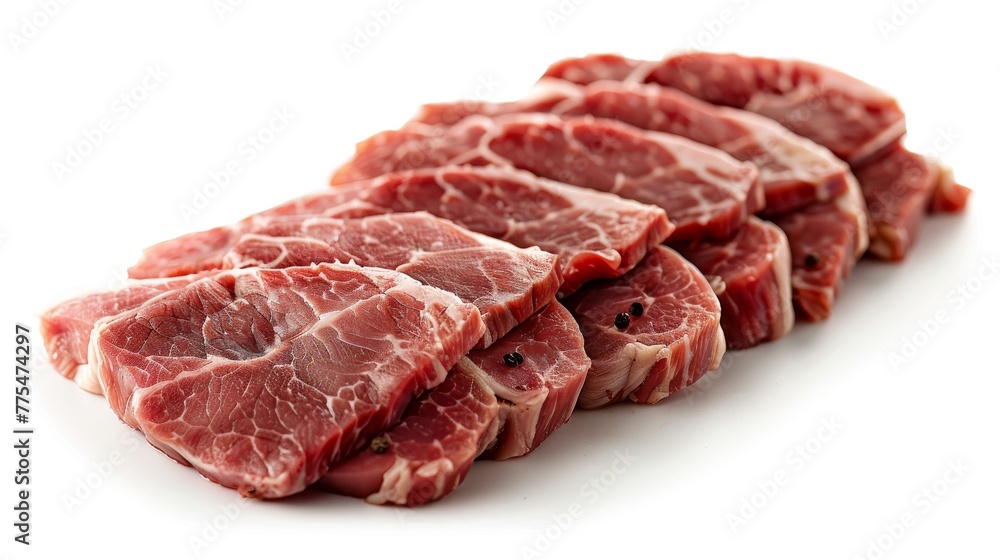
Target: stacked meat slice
(473, 277)
(859, 123)
(500, 401)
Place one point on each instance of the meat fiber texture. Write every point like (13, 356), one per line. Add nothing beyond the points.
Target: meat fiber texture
(595, 235)
(429, 453)
(538, 395)
(506, 283)
(262, 379)
(898, 189)
(853, 119)
(673, 343)
(829, 239)
(484, 405)
(794, 171)
(858, 122)
(750, 274)
(705, 192)
(66, 327)
(831, 231)
(808, 190)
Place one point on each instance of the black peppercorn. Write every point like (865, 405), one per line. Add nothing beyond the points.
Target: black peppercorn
(636, 309)
(513, 359)
(622, 321)
(812, 260)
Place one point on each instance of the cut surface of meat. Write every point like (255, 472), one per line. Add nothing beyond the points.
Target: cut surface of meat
(854, 120)
(429, 453)
(595, 235)
(506, 283)
(66, 328)
(262, 379)
(751, 275)
(487, 407)
(794, 171)
(798, 175)
(705, 192)
(827, 240)
(537, 395)
(898, 189)
(670, 344)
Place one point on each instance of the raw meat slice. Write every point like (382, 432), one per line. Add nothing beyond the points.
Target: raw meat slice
(705, 192)
(827, 240)
(262, 379)
(596, 235)
(751, 275)
(66, 327)
(898, 189)
(429, 453)
(798, 174)
(674, 340)
(506, 283)
(593, 68)
(204, 250)
(539, 394)
(853, 119)
(794, 171)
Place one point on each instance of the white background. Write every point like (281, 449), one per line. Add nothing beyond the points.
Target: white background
(697, 456)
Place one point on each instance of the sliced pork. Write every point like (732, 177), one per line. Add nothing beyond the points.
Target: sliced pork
(853, 119)
(899, 188)
(649, 333)
(751, 275)
(808, 190)
(705, 192)
(829, 238)
(506, 283)
(262, 379)
(503, 401)
(539, 392)
(66, 327)
(428, 454)
(595, 235)
(857, 122)
(794, 171)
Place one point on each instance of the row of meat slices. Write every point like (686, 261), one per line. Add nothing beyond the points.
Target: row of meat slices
(479, 273)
